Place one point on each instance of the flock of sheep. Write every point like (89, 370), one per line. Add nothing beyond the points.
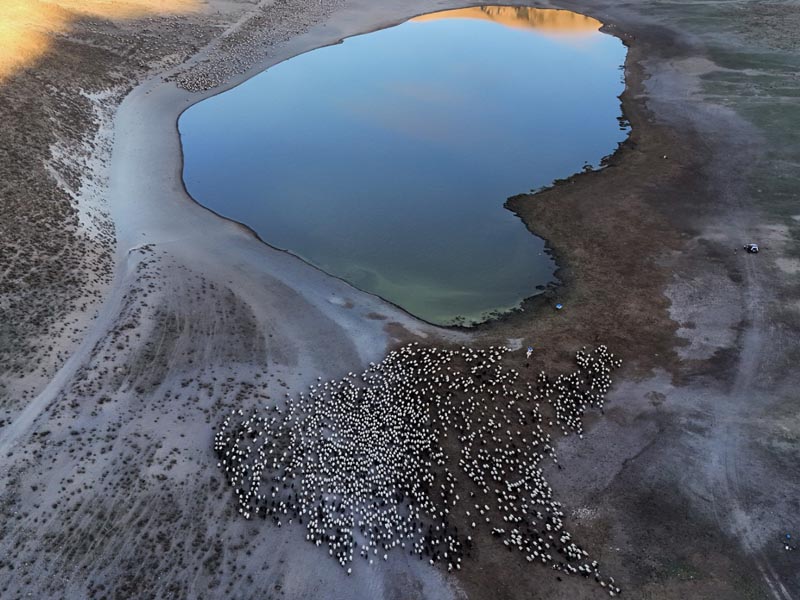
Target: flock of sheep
(423, 453)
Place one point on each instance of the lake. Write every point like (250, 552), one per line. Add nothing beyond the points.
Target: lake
(386, 160)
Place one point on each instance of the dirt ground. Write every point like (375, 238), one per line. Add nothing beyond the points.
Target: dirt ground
(697, 456)
(124, 335)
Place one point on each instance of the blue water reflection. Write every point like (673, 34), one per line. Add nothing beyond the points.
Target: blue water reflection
(386, 160)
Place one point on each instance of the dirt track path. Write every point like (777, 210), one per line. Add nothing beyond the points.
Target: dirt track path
(729, 496)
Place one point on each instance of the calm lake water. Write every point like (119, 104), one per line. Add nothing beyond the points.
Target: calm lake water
(386, 160)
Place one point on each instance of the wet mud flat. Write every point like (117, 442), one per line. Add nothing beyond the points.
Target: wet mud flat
(682, 486)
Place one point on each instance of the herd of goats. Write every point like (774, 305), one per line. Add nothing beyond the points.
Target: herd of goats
(422, 453)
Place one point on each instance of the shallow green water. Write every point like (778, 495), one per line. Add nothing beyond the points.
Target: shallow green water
(386, 160)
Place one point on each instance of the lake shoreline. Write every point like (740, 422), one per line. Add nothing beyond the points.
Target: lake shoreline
(257, 153)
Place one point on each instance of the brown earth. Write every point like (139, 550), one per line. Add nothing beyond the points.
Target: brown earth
(686, 459)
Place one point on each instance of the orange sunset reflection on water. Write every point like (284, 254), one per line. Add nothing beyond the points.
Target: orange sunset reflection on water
(521, 17)
(27, 27)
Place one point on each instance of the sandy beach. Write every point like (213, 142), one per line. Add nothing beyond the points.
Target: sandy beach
(150, 317)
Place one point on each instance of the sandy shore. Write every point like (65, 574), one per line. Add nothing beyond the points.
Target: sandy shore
(682, 489)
